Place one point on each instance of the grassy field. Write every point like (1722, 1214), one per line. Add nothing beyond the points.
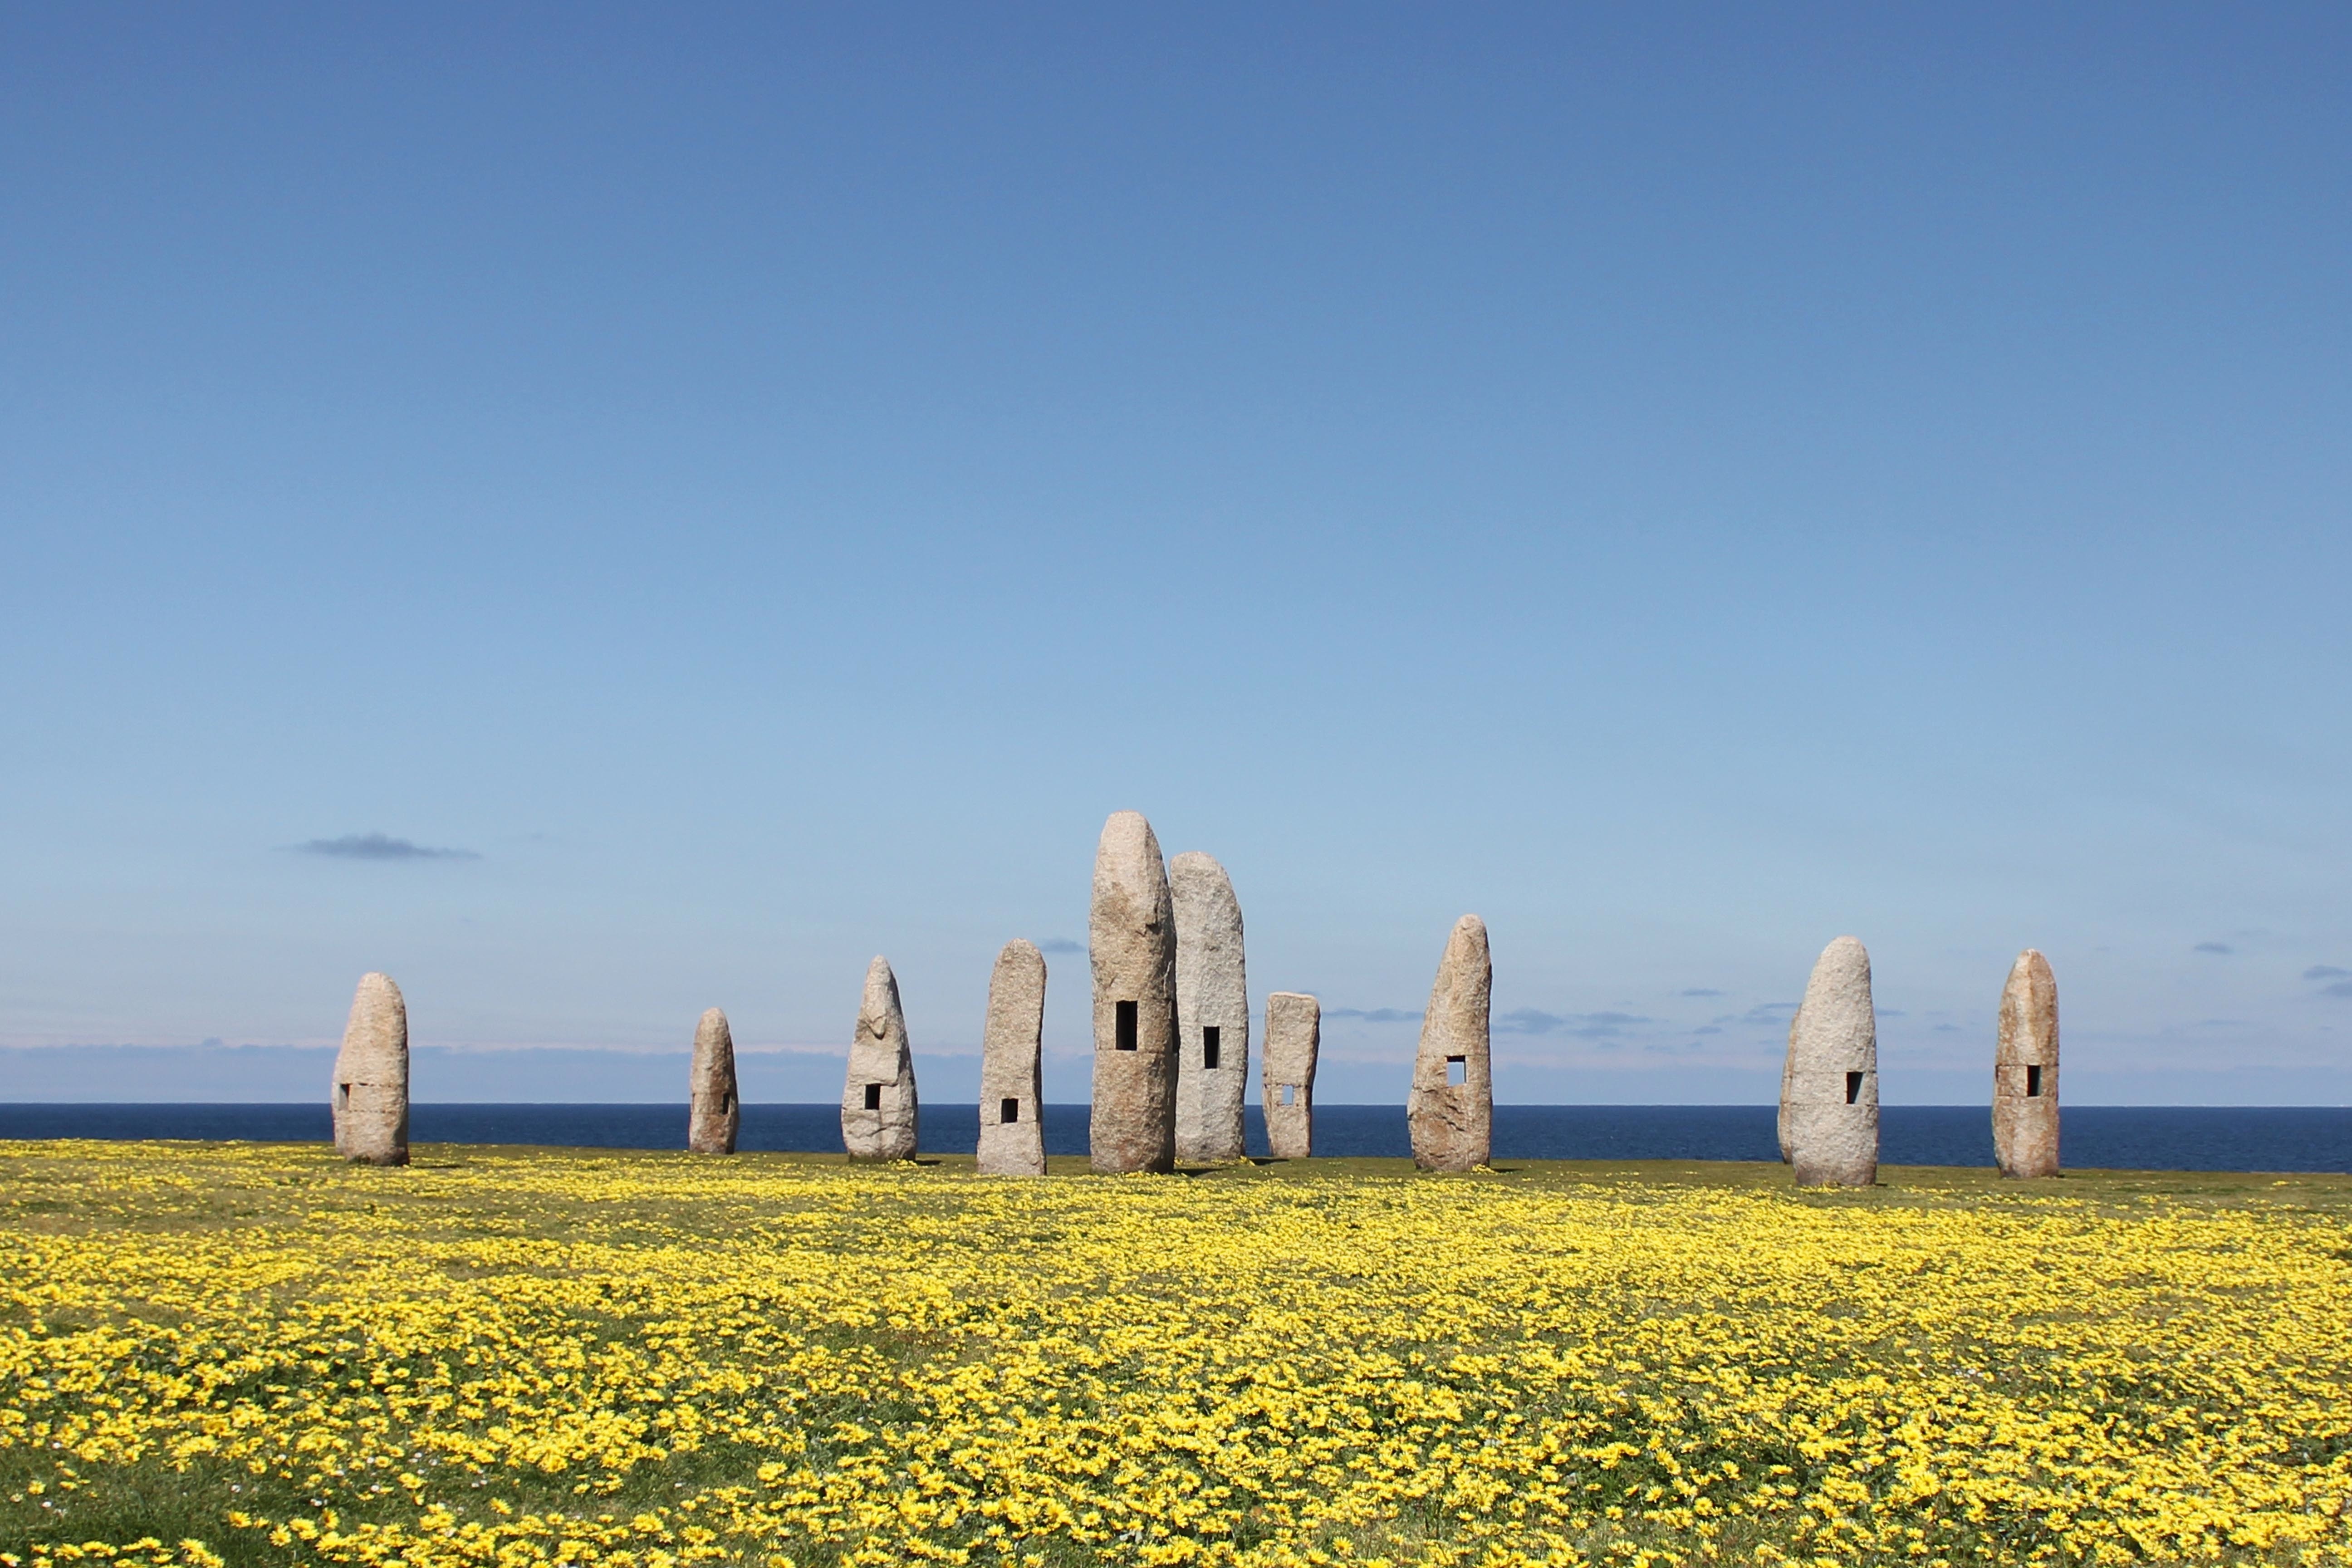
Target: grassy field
(252, 1354)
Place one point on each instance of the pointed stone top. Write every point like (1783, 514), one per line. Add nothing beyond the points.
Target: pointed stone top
(881, 1010)
(1469, 938)
(712, 1026)
(376, 982)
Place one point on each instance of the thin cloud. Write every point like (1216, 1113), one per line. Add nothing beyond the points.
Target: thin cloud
(1061, 944)
(1701, 991)
(379, 847)
(2326, 972)
(2221, 947)
(1377, 1016)
(1579, 1026)
(1768, 1013)
(2341, 988)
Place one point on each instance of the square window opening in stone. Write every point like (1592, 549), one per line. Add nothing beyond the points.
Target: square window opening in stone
(1008, 1111)
(1853, 1088)
(1290, 1094)
(1458, 1069)
(1123, 1034)
(2033, 1081)
(1212, 1045)
(873, 1097)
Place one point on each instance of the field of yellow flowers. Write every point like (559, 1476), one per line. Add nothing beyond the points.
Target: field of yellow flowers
(250, 1354)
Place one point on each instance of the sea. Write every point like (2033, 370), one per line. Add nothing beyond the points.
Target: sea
(2095, 1137)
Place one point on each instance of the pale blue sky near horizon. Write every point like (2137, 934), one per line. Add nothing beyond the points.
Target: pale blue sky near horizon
(1681, 481)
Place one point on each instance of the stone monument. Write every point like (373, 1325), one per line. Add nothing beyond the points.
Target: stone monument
(1294, 1033)
(2025, 1071)
(713, 1115)
(1829, 1085)
(1012, 1113)
(1451, 1108)
(878, 1103)
(1213, 1013)
(1132, 933)
(370, 1095)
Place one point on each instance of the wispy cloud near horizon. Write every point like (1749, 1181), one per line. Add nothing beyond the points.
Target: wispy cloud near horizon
(378, 846)
(1377, 1016)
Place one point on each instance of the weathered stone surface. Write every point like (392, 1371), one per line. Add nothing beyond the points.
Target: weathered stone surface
(1132, 933)
(1212, 1013)
(1293, 1035)
(878, 1103)
(1453, 1123)
(2025, 1071)
(370, 1094)
(1012, 1094)
(1829, 1087)
(713, 1115)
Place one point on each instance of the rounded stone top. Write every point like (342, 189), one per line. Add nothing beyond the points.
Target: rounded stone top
(375, 980)
(1128, 845)
(1847, 950)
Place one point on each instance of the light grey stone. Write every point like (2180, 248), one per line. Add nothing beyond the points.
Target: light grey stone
(1213, 1012)
(1453, 1123)
(878, 1103)
(1829, 1095)
(713, 1115)
(2025, 1071)
(1131, 931)
(370, 1094)
(1011, 1096)
(1293, 1035)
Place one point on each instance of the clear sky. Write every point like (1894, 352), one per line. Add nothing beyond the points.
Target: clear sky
(1683, 482)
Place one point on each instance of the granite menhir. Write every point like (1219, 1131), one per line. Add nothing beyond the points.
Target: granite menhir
(1132, 933)
(1294, 1033)
(1213, 1012)
(370, 1097)
(1451, 1109)
(1829, 1084)
(878, 1103)
(2025, 1071)
(713, 1114)
(1012, 1113)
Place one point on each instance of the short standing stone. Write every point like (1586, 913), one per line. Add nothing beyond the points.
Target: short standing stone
(713, 1114)
(1829, 1094)
(2025, 1071)
(1012, 1115)
(1294, 1033)
(1451, 1109)
(1212, 1013)
(370, 1094)
(1131, 933)
(878, 1103)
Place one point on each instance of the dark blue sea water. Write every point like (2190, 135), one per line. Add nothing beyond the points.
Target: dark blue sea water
(2096, 1137)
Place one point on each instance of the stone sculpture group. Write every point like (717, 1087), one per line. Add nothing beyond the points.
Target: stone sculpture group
(1171, 1031)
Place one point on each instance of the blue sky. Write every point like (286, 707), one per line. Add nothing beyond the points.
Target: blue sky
(1683, 482)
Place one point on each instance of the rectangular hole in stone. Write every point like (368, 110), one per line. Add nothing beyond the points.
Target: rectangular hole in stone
(1008, 1111)
(726, 1103)
(1290, 1094)
(1458, 1069)
(873, 1097)
(1212, 1040)
(342, 1097)
(1123, 1039)
(2033, 1082)
(1853, 1088)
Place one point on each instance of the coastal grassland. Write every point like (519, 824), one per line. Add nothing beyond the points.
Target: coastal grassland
(252, 1354)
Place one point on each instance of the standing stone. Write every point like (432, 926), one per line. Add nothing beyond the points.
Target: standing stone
(1132, 931)
(878, 1103)
(370, 1095)
(1212, 1013)
(1829, 1094)
(1451, 1110)
(1294, 1033)
(2025, 1071)
(713, 1115)
(1012, 1096)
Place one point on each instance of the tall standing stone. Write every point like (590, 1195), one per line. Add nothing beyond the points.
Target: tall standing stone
(1212, 1013)
(370, 1094)
(878, 1103)
(1451, 1109)
(1132, 933)
(1294, 1033)
(1829, 1094)
(2025, 1071)
(713, 1114)
(1012, 1108)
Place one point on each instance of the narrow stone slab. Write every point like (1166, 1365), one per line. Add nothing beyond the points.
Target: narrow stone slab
(1293, 1035)
(1131, 930)
(1829, 1085)
(1451, 1108)
(370, 1093)
(878, 1103)
(1011, 1092)
(713, 1115)
(2025, 1071)
(1213, 1012)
